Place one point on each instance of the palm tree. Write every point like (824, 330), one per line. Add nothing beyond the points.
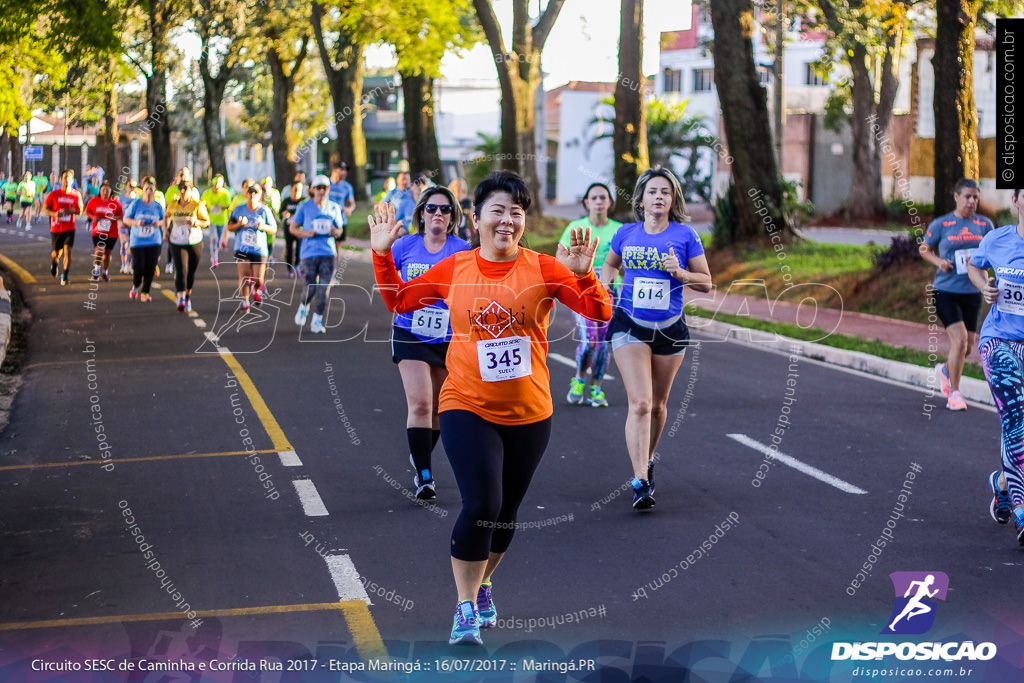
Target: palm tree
(675, 140)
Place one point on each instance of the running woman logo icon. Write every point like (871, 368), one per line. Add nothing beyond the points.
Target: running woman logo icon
(916, 592)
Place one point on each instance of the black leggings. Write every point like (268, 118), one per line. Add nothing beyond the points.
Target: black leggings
(493, 465)
(292, 246)
(144, 262)
(178, 252)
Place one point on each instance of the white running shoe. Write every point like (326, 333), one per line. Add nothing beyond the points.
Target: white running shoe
(317, 326)
(300, 316)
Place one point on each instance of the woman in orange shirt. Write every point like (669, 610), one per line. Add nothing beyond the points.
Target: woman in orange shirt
(495, 406)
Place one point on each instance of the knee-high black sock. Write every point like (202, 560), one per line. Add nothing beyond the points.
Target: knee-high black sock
(420, 447)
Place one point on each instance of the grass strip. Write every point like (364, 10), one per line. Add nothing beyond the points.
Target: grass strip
(839, 341)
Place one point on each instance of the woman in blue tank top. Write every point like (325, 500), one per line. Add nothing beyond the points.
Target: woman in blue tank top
(419, 340)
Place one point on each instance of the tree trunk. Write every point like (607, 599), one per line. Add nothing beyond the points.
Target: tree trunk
(745, 114)
(519, 77)
(17, 158)
(111, 134)
(865, 198)
(420, 136)
(956, 116)
(281, 114)
(213, 95)
(156, 94)
(5, 148)
(629, 138)
(346, 86)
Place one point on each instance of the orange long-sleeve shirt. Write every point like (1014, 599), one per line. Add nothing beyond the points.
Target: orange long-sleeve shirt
(497, 359)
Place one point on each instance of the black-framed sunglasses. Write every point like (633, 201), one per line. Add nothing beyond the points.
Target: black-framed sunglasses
(445, 209)
(252, 190)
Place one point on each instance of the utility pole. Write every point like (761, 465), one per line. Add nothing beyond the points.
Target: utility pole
(780, 80)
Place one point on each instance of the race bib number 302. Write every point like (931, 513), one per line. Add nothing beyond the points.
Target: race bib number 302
(1011, 298)
(504, 358)
(651, 293)
(430, 322)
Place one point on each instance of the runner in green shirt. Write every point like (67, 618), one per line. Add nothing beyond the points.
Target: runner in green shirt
(26, 194)
(10, 197)
(42, 187)
(217, 200)
(592, 351)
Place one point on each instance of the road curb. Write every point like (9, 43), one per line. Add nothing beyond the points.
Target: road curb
(913, 375)
(5, 320)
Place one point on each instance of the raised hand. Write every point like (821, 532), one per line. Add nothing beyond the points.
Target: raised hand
(579, 257)
(384, 229)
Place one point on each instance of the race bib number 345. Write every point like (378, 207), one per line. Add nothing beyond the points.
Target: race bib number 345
(504, 358)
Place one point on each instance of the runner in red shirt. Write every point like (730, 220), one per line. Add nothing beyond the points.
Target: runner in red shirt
(105, 212)
(62, 205)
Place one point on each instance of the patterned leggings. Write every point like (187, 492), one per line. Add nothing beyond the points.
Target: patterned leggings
(592, 351)
(1003, 362)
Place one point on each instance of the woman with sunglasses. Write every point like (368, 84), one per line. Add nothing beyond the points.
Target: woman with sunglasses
(251, 222)
(419, 340)
(318, 222)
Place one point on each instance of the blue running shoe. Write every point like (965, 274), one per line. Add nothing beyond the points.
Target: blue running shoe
(999, 508)
(597, 398)
(943, 374)
(423, 481)
(485, 608)
(575, 395)
(642, 498)
(1018, 523)
(465, 629)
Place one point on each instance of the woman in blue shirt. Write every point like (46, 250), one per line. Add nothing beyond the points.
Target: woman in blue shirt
(251, 222)
(146, 218)
(1002, 357)
(659, 256)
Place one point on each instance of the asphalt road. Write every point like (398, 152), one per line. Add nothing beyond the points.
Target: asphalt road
(268, 473)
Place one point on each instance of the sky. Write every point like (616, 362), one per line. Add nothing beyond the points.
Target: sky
(583, 44)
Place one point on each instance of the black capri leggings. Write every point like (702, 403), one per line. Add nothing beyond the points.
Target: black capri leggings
(144, 262)
(493, 466)
(183, 281)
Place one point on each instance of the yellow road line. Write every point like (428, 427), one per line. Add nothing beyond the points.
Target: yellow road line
(165, 616)
(365, 635)
(364, 631)
(271, 426)
(129, 460)
(25, 276)
(170, 296)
